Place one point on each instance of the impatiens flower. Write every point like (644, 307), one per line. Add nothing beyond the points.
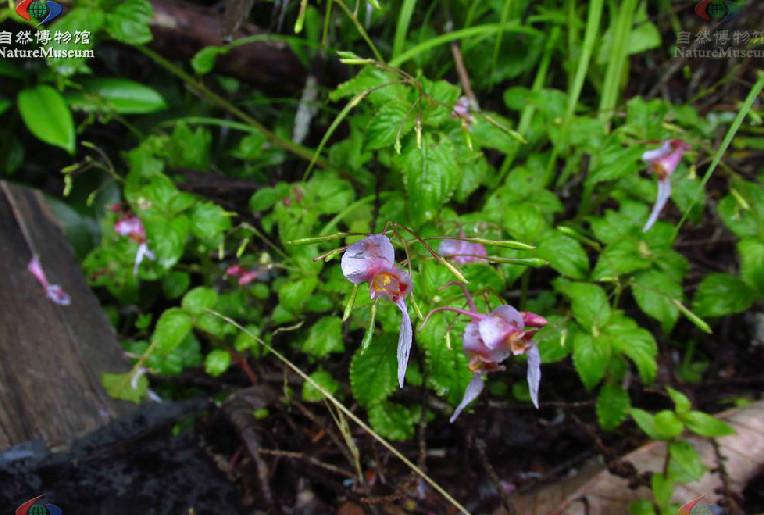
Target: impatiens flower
(490, 338)
(663, 161)
(461, 110)
(462, 252)
(372, 260)
(53, 291)
(132, 227)
(245, 275)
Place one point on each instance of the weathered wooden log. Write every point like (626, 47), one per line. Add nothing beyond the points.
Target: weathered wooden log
(182, 29)
(51, 356)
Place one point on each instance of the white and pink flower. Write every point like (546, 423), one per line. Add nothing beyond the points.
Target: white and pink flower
(131, 226)
(663, 161)
(54, 292)
(372, 260)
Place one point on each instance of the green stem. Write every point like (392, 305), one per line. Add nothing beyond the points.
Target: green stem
(216, 99)
(618, 61)
(361, 30)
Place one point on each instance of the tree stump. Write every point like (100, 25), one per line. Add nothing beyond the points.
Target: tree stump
(51, 356)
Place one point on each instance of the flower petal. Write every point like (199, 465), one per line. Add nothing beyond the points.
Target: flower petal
(511, 315)
(404, 341)
(58, 295)
(495, 330)
(470, 394)
(364, 258)
(534, 373)
(664, 192)
(533, 320)
(651, 155)
(35, 267)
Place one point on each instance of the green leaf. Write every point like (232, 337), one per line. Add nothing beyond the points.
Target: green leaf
(722, 294)
(386, 87)
(564, 254)
(706, 425)
(446, 361)
(325, 380)
(172, 327)
(392, 421)
(123, 96)
(523, 221)
(325, 337)
(752, 263)
(620, 258)
(590, 357)
(79, 19)
(641, 507)
(654, 292)
(668, 425)
(209, 223)
(686, 458)
(4, 105)
(615, 161)
(47, 116)
(636, 343)
(646, 422)
(200, 299)
(613, 405)
(175, 284)
(681, 402)
(217, 362)
(204, 60)
(120, 386)
(662, 488)
(431, 175)
(374, 373)
(555, 340)
(383, 128)
(293, 295)
(263, 199)
(588, 302)
(129, 21)
(167, 238)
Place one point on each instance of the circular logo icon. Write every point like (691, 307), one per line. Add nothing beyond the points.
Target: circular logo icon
(37, 509)
(38, 10)
(717, 9)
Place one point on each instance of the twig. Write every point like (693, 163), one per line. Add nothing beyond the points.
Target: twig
(309, 459)
(464, 77)
(480, 446)
(724, 476)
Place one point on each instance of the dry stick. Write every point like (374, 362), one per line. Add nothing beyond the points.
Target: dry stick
(724, 476)
(462, 71)
(341, 407)
(309, 459)
(480, 446)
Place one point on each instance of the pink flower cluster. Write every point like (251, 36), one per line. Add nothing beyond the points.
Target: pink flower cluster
(131, 226)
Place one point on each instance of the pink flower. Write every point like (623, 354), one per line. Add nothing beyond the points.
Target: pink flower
(461, 110)
(663, 161)
(462, 252)
(372, 260)
(53, 291)
(245, 275)
(491, 338)
(132, 227)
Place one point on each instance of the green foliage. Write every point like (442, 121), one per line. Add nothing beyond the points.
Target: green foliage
(47, 116)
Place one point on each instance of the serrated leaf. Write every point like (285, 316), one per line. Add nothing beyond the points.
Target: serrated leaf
(325, 337)
(392, 421)
(120, 386)
(172, 327)
(446, 361)
(385, 85)
(613, 406)
(209, 223)
(686, 458)
(432, 174)
(722, 294)
(325, 380)
(200, 299)
(47, 116)
(646, 422)
(588, 302)
(129, 21)
(654, 292)
(619, 258)
(706, 425)
(292, 296)
(387, 123)
(637, 344)
(564, 254)
(374, 373)
(590, 357)
(167, 238)
(752, 263)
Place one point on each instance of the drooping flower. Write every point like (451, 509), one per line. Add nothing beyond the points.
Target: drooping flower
(491, 338)
(245, 275)
(663, 161)
(53, 291)
(461, 110)
(462, 252)
(372, 260)
(132, 227)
